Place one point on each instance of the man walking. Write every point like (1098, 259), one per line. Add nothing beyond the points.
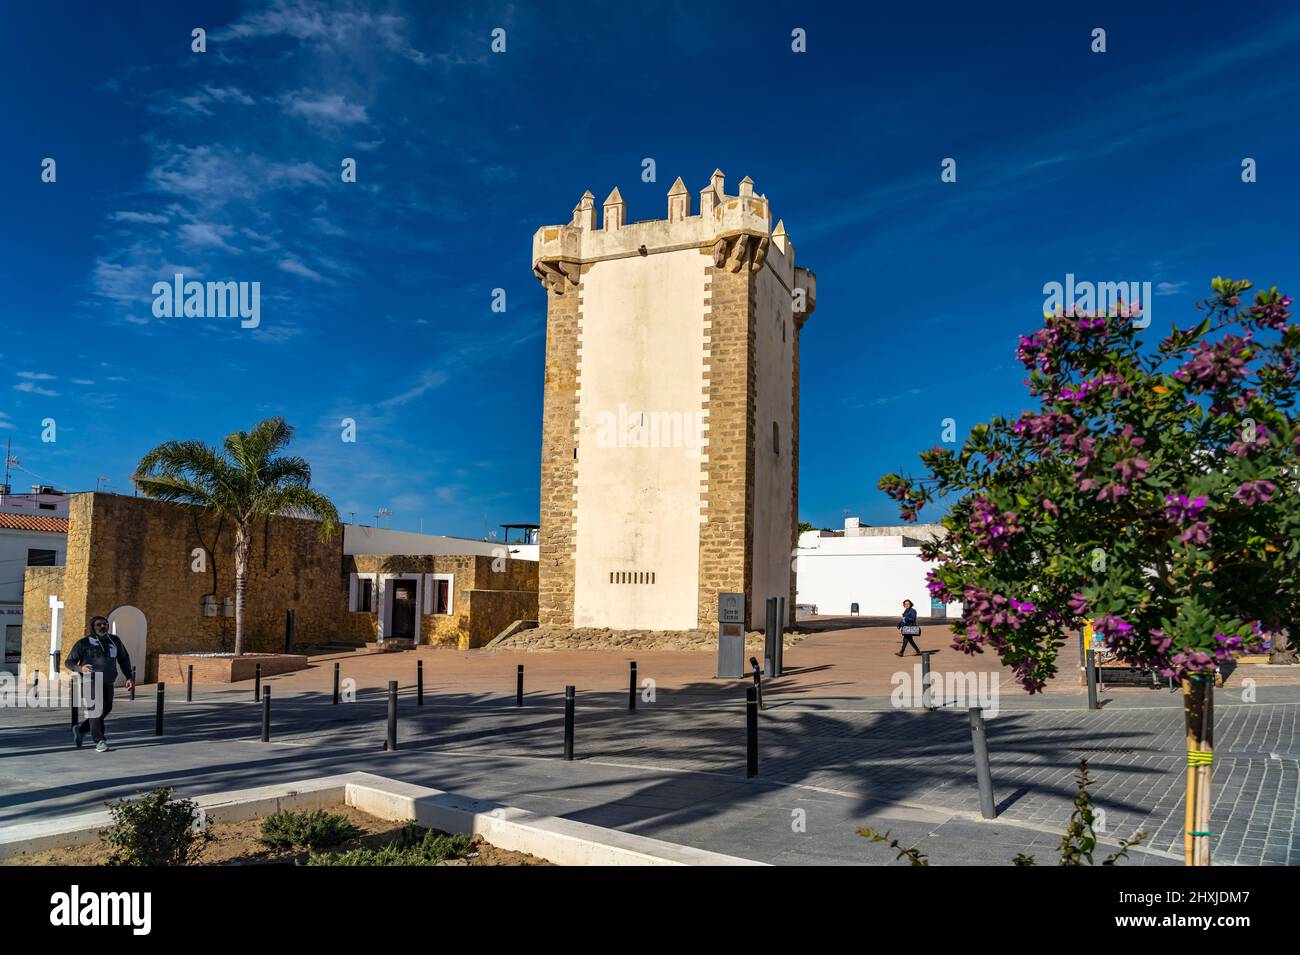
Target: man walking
(99, 654)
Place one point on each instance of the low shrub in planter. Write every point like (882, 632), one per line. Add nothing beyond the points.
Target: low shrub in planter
(154, 830)
(415, 846)
(316, 829)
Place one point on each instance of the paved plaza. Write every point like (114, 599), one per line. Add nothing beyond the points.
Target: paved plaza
(831, 760)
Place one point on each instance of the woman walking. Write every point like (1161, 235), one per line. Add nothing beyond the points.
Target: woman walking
(908, 628)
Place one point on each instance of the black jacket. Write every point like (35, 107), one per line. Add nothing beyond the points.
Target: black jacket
(90, 649)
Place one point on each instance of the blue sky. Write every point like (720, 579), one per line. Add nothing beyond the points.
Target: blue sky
(376, 296)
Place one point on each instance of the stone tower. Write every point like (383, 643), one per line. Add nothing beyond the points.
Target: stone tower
(670, 436)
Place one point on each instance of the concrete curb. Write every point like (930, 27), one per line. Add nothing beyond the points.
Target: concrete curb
(562, 841)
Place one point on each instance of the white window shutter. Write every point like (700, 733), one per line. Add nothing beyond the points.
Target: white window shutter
(352, 592)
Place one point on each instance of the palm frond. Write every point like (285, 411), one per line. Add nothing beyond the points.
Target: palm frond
(297, 501)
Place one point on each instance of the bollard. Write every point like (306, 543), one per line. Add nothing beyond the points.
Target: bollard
(758, 681)
(419, 683)
(130, 694)
(982, 775)
(631, 688)
(519, 686)
(779, 667)
(158, 709)
(75, 687)
(1092, 679)
(257, 683)
(927, 692)
(266, 715)
(770, 636)
(189, 684)
(568, 722)
(751, 731)
(336, 681)
(390, 744)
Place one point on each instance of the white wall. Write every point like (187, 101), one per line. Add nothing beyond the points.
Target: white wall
(641, 345)
(877, 573)
(13, 558)
(359, 539)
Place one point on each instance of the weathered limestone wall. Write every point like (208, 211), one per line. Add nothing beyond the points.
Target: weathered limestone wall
(559, 454)
(138, 552)
(39, 585)
(638, 473)
(726, 534)
(774, 461)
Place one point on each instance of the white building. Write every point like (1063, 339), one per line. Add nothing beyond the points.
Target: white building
(360, 539)
(876, 568)
(33, 533)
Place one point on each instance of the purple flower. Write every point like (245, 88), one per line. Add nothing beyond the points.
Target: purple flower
(1254, 492)
(1112, 491)
(1181, 508)
(992, 529)
(1079, 605)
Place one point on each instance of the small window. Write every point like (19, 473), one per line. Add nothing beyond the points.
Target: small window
(442, 595)
(365, 595)
(48, 507)
(40, 558)
(776, 438)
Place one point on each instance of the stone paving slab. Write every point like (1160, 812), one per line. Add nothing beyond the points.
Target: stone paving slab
(677, 772)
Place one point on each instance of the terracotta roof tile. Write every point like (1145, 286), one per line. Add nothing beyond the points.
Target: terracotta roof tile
(34, 522)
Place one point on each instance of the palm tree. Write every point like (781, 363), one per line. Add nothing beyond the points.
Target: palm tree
(241, 481)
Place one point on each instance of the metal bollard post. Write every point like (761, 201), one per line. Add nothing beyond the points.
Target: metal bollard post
(159, 693)
(983, 776)
(419, 683)
(779, 667)
(266, 715)
(336, 681)
(758, 681)
(130, 694)
(257, 683)
(751, 731)
(1092, 679)
(631, 688)
(769, 638)
(390, 744)
(189, 684)
(568, 722)
(519, 686)
(74, 686)
(927, 693)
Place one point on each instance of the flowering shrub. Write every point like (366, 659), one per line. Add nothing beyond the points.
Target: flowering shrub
(1153, 490)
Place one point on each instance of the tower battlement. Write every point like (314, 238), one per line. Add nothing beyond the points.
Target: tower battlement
(737, 229)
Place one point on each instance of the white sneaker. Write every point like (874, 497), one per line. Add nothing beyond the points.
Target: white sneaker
(101, 747)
